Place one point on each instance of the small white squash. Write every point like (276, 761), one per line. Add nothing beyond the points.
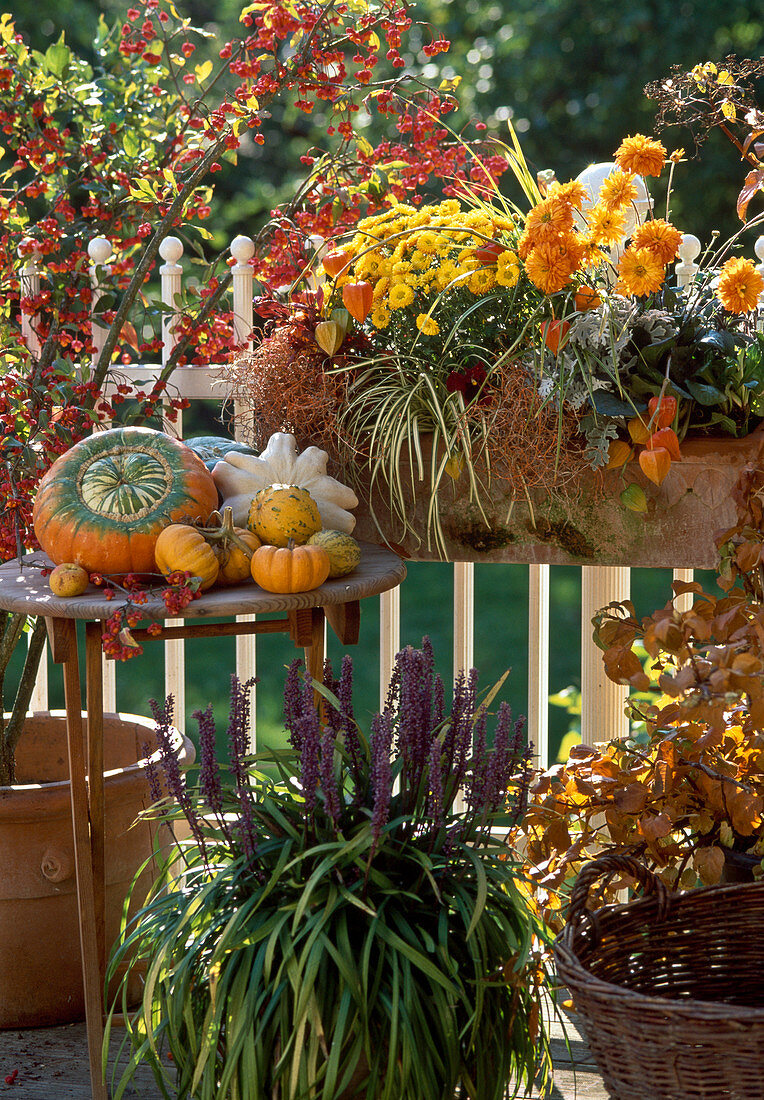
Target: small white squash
(240, 476)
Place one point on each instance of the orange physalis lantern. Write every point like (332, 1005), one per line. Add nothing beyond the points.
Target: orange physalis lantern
(586, 298)
(618, 454)
(358, 298)
(554, 333)
(655, 463)
(335, 261)
(662, 410)
(638, 430)
(489, 252)
(666, 437)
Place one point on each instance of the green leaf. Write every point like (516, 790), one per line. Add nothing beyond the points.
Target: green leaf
(705, 394)
(57, 58)
(130, 144)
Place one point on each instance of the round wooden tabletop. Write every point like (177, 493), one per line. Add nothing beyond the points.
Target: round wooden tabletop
(23, 588)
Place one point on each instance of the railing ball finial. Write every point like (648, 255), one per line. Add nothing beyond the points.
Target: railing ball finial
(99, 250)
(242, 249)
(171, 249)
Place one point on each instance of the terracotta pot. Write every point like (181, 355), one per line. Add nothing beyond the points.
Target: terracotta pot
(588, 525)
(40, 961)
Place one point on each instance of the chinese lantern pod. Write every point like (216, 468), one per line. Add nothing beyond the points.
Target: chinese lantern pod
(666, 437)
(655, 463)
(662, 411)
(638, 430)
(619, 453)
(329, 336)
(336, 261)
(358, 298)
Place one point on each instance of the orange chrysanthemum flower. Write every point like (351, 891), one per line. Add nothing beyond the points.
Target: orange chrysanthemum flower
(548, 267)
(641, 155)
(572, 192)
(591, 253)
(618, 190)
(659, 237)
(639, 272)
(606, 225)
(740, 285)
(547, 219)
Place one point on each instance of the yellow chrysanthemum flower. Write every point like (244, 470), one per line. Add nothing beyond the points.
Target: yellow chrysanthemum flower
(445, 274)
(449, 208)
(606, 225)
(548, 267)
(380, 317)
(427, 242)
(401, 267)
(740, 285)
(420, 260)
(641, 155)
(658, 236)
(380, 289)
(482, 281)
(618, 190)
(639, 272)
(400, 296)
(427, 325)
(507, 269)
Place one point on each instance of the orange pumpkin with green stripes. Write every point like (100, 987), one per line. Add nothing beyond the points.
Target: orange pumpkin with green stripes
(103, 503)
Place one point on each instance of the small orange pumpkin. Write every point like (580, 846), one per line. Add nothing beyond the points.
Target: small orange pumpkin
(183, 548)
(290, 568)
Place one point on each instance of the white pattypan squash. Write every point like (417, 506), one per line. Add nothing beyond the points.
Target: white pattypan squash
(239, 476)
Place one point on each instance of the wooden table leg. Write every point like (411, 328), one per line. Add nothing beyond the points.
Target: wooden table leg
(306, 627)
(63, 639)
(94, 699)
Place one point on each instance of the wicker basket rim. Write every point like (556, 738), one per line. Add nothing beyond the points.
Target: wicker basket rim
(578, 975)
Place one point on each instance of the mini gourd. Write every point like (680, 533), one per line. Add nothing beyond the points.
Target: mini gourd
(240, 476)
(279, 513)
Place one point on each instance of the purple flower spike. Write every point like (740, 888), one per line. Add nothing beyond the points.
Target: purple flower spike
(209, 772)
(381, 773)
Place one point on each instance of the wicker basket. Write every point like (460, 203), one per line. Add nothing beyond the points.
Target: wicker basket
(669, 988)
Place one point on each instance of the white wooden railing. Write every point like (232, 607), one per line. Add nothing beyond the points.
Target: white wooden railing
(602, 701)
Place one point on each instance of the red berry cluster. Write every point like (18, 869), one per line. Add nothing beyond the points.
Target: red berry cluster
(117, 638)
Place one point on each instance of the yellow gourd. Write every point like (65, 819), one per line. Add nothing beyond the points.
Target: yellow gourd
(279, 513)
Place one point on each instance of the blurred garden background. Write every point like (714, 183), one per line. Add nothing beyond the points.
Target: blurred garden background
(569, 75)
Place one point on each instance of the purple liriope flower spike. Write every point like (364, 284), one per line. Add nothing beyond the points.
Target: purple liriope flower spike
(435, 776)
(209, 771)
(174, 778)
(478, 765)
(156, 794)
(500, 758)
(238, 746)
(310, 740)
(461, 720)
(327, 776)
(381, 773)
(292, 705)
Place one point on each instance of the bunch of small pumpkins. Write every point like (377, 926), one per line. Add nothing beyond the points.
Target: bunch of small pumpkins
(134, 500)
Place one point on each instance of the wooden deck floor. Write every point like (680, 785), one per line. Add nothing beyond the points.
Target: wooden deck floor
(52, 1064)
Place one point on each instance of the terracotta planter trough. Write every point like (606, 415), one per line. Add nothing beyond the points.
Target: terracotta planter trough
(588, 525)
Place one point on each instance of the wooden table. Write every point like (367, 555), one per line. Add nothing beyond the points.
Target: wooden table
(23, 588)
